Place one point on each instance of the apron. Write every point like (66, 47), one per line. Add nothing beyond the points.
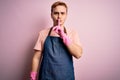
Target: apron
(57, 62)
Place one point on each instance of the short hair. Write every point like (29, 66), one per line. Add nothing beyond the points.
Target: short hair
(58, 3)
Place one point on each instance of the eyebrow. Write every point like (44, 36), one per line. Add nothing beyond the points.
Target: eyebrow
(58, 12)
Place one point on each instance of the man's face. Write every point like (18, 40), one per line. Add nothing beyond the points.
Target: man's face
(59, 12)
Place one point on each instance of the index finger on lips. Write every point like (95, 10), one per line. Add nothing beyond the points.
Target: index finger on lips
(58, 22)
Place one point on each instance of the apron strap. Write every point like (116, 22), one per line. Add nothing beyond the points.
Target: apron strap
(50, 31)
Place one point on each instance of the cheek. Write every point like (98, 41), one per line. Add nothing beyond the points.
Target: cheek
(54, 17)
(64, 18)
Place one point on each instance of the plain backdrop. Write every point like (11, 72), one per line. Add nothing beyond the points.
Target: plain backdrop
(98, 25)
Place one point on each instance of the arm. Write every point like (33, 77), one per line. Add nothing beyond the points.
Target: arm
(35, 64)
(72, 46)
(36, 60)
(75, 50)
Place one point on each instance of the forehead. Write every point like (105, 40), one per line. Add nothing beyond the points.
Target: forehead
(59, 8)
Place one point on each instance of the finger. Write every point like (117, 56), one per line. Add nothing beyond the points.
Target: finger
(55, 28)
(58, 22)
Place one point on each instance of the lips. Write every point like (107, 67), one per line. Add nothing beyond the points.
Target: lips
(60, 21)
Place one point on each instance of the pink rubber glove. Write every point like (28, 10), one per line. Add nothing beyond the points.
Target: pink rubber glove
(33, 75)
(58, 30)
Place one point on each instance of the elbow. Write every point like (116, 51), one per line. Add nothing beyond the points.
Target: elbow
(78, 57)
(79, 54)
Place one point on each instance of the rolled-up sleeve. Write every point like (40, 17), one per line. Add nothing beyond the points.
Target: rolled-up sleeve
(38, 45)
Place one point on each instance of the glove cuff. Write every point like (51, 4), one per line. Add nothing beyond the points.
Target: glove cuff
(33, 75)
(66, 40)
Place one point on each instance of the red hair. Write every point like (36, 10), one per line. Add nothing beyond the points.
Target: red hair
(58, 3)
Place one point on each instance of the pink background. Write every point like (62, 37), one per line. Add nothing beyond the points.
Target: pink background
(98, 24)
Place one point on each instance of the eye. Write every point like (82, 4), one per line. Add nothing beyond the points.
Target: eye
(56, 13)
(62, 13)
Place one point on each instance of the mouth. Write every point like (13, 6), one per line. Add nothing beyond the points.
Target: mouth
(58, 21)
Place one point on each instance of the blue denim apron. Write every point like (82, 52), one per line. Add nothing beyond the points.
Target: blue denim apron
(57, 62)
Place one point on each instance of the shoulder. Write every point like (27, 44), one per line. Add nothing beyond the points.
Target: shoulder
(43, 34)
(44, 31)
(71, 31)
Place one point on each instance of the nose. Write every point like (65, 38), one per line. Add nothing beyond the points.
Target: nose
(59, 16)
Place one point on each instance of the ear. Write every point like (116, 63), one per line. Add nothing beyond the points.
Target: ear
(51, 15)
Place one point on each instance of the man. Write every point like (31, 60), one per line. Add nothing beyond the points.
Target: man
(55, 47)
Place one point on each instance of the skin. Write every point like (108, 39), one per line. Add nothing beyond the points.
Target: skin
(59, 12)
